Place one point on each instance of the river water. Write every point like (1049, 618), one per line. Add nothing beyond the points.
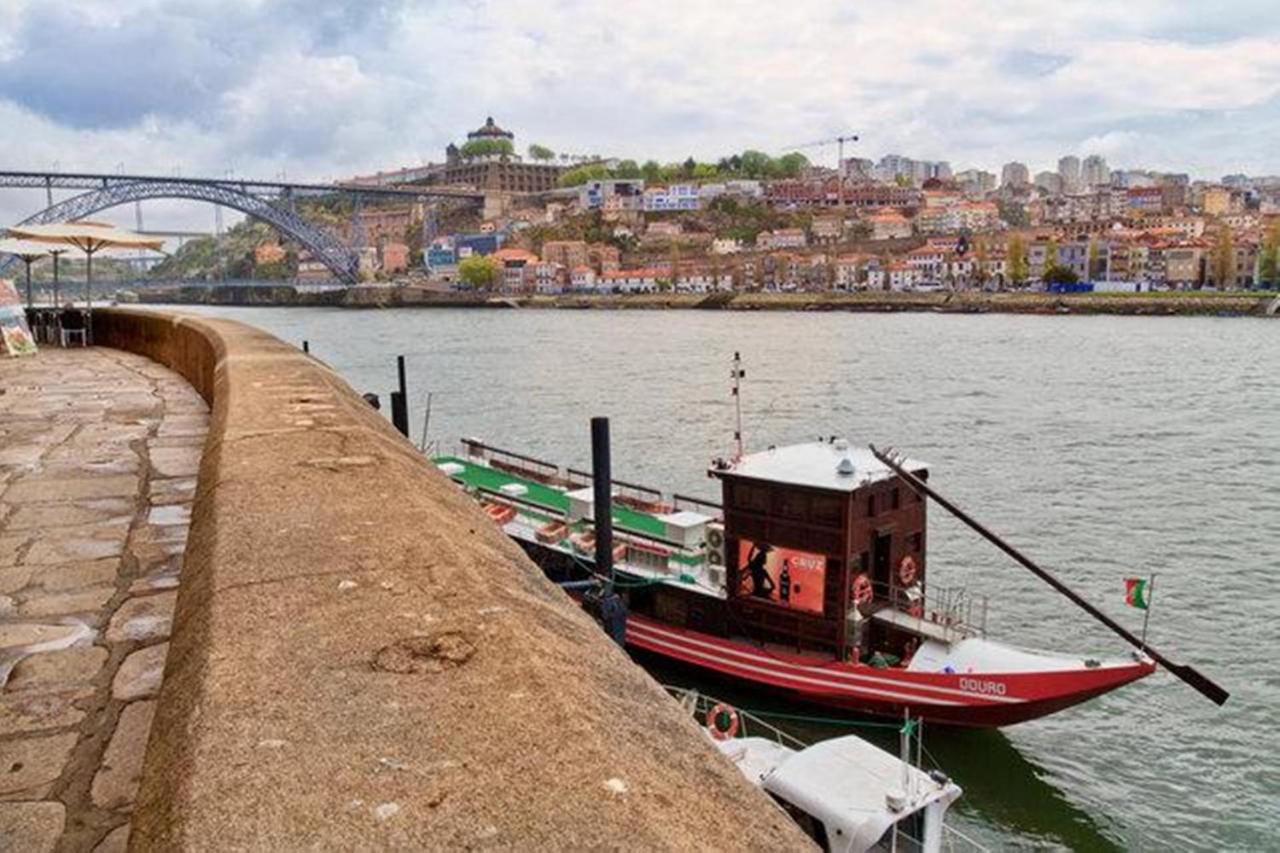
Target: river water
(1106, 447)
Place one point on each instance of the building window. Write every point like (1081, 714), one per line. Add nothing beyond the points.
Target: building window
(894, 499)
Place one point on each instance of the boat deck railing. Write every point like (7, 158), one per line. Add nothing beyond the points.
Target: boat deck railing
(699, 705)
(636, 496)
(954, 608)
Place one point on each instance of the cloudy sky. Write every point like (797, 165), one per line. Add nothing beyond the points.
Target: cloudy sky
(326, 88)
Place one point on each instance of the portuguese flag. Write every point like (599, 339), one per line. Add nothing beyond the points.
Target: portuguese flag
(1136, 593)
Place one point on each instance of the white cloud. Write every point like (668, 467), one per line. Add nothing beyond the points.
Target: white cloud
(328, 88)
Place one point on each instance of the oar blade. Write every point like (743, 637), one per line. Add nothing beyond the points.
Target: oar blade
(1206, 687)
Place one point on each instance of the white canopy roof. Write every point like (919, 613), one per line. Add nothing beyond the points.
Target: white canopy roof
(817, 464)
(848, 781)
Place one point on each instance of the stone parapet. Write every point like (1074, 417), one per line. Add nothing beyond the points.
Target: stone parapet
(359, 658)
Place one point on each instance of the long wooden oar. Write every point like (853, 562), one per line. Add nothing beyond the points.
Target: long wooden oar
(1186, 673)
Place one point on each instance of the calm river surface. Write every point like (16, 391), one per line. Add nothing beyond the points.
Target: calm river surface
(1105, 446)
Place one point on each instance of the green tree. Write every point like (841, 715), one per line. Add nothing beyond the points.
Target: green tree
(1222, 261)
(651, 171)
(582, 174)
(1060, 275)
(486, 147)
(687, 167)
(627, 169)
(791, 165)
(1269, 257)
(1016, 259)
(981, 260)
(1050, 258)
(1094, 269)
(479, 271)
(541, 152)
(705, 172)
(756, 164)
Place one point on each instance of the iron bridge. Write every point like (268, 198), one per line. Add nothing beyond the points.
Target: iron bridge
(272, 202)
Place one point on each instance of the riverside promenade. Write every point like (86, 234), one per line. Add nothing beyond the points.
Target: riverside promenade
(98, 460)
(356, 658)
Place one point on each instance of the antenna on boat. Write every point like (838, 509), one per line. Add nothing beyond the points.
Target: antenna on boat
(1188, 674)
(737, 374)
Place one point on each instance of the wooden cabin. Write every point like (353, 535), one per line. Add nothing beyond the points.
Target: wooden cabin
(825, 513)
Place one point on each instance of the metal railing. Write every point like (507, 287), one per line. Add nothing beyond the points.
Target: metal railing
(698, 705)
(953, 607)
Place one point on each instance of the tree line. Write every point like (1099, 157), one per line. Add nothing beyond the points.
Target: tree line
(747, 165)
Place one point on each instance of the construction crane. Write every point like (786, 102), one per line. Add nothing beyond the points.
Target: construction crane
(823, 143)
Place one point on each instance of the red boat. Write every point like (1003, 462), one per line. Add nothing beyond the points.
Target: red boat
(810, 578)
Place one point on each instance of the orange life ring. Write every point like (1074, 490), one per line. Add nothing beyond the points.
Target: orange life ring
(713, 722)
(907, 571)
(862, 591)
(916, 609)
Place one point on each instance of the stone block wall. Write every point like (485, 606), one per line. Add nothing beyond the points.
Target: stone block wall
(360, 659)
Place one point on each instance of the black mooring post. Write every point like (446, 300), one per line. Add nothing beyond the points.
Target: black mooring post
(400, 402)
(602, 481)
(306, 346)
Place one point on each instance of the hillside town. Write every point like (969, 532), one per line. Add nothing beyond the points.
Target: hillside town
(752, 222)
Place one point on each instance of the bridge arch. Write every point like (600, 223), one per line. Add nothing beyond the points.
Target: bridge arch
(340, 259)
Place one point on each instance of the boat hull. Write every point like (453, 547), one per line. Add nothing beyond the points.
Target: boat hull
(964, 699)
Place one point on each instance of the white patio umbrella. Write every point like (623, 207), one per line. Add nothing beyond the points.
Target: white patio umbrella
(90, 238)
(27, 251)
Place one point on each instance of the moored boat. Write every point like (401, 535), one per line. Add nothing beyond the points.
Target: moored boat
(810, 578)
(847, 794)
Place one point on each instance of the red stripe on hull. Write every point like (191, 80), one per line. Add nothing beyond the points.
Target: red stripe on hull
(970, 699)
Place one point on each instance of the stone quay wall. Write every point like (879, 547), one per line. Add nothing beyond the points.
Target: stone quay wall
(359, 658)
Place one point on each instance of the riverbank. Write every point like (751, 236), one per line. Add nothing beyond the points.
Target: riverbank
(1173, 303)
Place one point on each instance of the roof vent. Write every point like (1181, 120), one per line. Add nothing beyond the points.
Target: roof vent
(896, 800)
(845, 467)
(839, 443)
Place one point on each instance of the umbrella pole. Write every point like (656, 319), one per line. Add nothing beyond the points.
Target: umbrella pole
(30, 303)
(55, 280)
(88, 294)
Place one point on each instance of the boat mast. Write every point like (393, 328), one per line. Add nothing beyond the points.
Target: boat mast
(737, 373)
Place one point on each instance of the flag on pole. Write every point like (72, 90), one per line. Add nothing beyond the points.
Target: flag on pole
(1136, 593)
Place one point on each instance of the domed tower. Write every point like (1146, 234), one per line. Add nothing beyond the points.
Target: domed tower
(491, 131)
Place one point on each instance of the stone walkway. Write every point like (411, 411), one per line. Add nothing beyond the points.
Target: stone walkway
(99, 451)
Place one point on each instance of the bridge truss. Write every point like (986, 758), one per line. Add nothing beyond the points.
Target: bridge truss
(272, 202)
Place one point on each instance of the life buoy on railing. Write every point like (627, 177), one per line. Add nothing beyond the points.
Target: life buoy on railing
(907, 571)
(862, 591)
(713, 721)
(916, 609)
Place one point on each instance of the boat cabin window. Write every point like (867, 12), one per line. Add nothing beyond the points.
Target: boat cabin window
(812, 827)
(905, 836)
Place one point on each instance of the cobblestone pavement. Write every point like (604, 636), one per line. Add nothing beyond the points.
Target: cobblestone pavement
(99, 451)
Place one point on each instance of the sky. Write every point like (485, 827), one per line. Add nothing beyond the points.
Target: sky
(320, 89)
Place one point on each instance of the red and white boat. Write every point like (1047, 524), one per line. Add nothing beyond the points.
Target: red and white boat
(810, 578)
